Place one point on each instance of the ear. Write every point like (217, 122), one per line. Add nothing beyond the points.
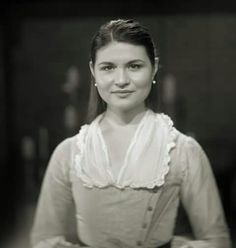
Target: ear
(156, 66)
(91, 67)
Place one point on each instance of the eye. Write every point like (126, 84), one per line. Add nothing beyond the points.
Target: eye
(135, 66)
(107, 68)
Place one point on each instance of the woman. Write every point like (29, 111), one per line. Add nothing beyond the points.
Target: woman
(122, 178)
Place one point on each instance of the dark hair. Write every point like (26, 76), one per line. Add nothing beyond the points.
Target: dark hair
(129, 31)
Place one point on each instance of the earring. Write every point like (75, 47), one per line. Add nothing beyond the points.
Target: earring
(95, 85)
(154, 82)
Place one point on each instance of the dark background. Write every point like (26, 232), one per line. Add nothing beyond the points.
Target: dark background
(42, 41)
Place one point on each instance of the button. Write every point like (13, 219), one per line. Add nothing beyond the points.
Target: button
(144, 225)
(139, 243)
(155, 190)
(150, 208)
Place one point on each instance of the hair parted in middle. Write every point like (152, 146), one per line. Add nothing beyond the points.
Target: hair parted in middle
(127, 31)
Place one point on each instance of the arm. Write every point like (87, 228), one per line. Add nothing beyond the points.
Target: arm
(200, 198)
(55, 211)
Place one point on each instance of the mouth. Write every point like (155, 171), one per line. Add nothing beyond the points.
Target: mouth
(122, 93)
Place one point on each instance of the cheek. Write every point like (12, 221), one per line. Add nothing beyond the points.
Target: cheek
(104, 90)
(104, 83)
(146, 90)
(143, 86)
(103, 78)
(143, 81)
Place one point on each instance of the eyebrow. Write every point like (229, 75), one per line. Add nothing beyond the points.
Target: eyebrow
(129, 62)
(105, 63)
(136, 60)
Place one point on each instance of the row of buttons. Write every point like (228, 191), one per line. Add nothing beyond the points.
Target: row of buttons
(144, 226)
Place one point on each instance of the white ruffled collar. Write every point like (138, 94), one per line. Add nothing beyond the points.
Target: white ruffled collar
(146, 162)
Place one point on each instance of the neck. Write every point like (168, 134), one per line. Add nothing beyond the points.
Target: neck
(122, 118)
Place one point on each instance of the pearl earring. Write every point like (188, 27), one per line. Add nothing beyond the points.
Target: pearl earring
(154, 82)
(95, 85)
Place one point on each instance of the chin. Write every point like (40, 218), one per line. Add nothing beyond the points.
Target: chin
(125, 107)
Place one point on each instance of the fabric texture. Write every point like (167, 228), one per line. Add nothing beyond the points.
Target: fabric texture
(82, 203)
(154, 135)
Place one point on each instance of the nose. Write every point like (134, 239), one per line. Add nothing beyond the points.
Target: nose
(122, 79)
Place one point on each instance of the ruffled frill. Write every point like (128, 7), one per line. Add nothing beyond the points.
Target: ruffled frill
(78, 168)
(163, 170)
(171, 144)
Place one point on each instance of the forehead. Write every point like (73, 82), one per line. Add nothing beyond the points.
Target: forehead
(121, 51)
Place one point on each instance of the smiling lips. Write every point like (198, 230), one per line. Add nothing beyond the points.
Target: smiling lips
(122, 93)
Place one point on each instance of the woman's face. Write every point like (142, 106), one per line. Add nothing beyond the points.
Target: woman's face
(123, 73)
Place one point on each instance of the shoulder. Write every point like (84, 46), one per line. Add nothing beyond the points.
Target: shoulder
(64, 148)
(71, 145)
(184, 143)
(193, 158)
(62, 159)
(189, 145)
(62, 155)
(188, 148)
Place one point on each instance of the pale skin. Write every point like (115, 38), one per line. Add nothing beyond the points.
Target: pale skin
(123, 73)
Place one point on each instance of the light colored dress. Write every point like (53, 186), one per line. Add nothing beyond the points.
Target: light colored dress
(138, 207)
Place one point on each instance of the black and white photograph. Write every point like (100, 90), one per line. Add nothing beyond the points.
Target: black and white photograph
(117, 124)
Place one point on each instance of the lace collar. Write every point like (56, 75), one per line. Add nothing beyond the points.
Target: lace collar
(146, 162)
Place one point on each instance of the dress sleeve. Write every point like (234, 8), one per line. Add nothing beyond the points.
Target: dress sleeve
(201, 200)
(55, 210)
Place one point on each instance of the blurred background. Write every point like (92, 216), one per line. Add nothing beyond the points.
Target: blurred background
(44, 86)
